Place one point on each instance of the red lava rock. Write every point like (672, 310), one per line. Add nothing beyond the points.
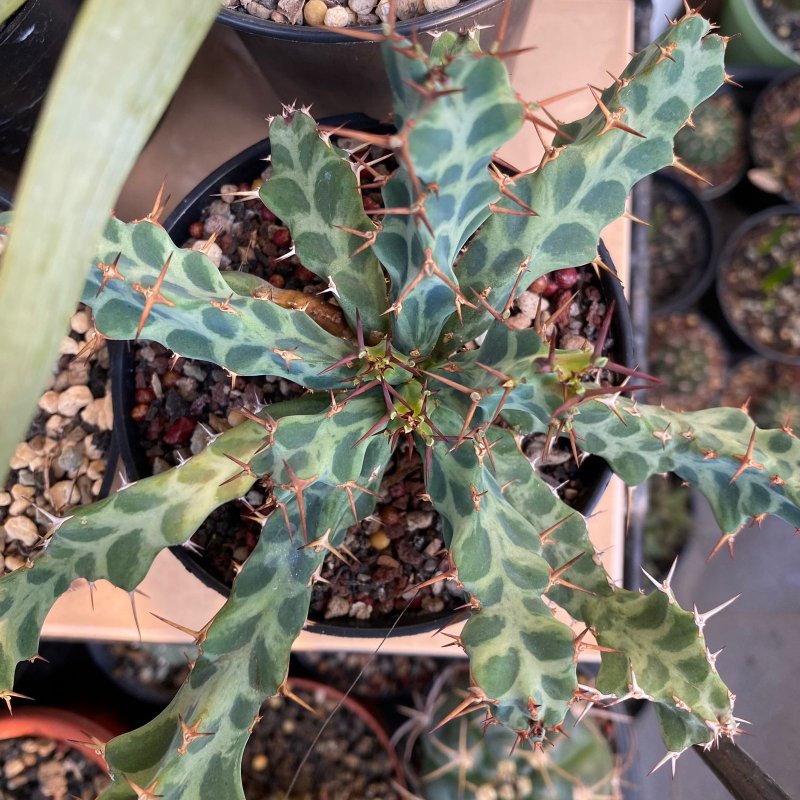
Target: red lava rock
(397, 490)
(280, 237)
(395, 531)
(169, 379)
(551, 288)
(138, 413)
(225, 242)
(539, 285)
(196, 230)
(267, 215)
(304, 275)
(146, 395)
(390, 516)
(154, 428)
(566, 278)
(370, 203)
(562, 297)
(180, 431)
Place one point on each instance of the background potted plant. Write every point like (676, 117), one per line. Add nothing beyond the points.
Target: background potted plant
(466, 759)
(295, 56)
(52, 751)
(769, 31)
(508, 563)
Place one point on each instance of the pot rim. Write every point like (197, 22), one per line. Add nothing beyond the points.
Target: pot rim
(596, 473)
(56, 724)
(766, 31)
(701, 210)
(245, 23)
(723, 262)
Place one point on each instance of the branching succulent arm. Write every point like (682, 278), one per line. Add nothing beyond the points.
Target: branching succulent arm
(388, 360)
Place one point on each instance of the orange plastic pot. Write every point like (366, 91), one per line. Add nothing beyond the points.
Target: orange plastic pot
(58, 725)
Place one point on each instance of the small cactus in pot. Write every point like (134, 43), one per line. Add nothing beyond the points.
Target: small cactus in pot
(716, 132)
(714, 145)
(468, 759)
(690, 357)
(427, 357)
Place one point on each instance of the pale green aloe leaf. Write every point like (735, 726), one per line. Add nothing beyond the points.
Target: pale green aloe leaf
(8, 7)
(118, 72)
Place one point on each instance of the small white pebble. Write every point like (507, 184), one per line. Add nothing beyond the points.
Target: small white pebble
(362, 6)
(439, 5)
(339, 17)
(80, 322)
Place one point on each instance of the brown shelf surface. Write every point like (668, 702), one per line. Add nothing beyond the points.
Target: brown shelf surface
(218, 111)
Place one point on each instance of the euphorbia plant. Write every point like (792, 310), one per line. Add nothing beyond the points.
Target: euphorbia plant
(457, 242)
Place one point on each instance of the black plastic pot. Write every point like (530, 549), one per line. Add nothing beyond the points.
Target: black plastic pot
(30, 44)
(594, 472)
(723, 263)
(335, 70)
(696, 285)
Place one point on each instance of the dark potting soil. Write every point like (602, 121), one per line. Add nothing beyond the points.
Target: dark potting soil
(159, 668)
(676, 243)
(179, 405)
(771, 391)
(775, 134)
(347, 762)
(760, 285)
(379, 677)
(783, 20)
(42, 769)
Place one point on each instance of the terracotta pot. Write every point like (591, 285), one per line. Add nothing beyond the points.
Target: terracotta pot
(58, 725)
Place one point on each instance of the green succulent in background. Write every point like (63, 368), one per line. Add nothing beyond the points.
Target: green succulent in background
(468, 760)
(716, 134)
(403, 371)
(690, 357)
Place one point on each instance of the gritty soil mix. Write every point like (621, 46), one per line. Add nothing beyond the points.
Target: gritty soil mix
(42, 769)
(783, 20)
(348, 761)
(775, 136)
(62, 461)
(677, 241)
(379, 677)
(759, 285)
(180, 404)
(771, 391)
(159, 669)
(335, 13)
